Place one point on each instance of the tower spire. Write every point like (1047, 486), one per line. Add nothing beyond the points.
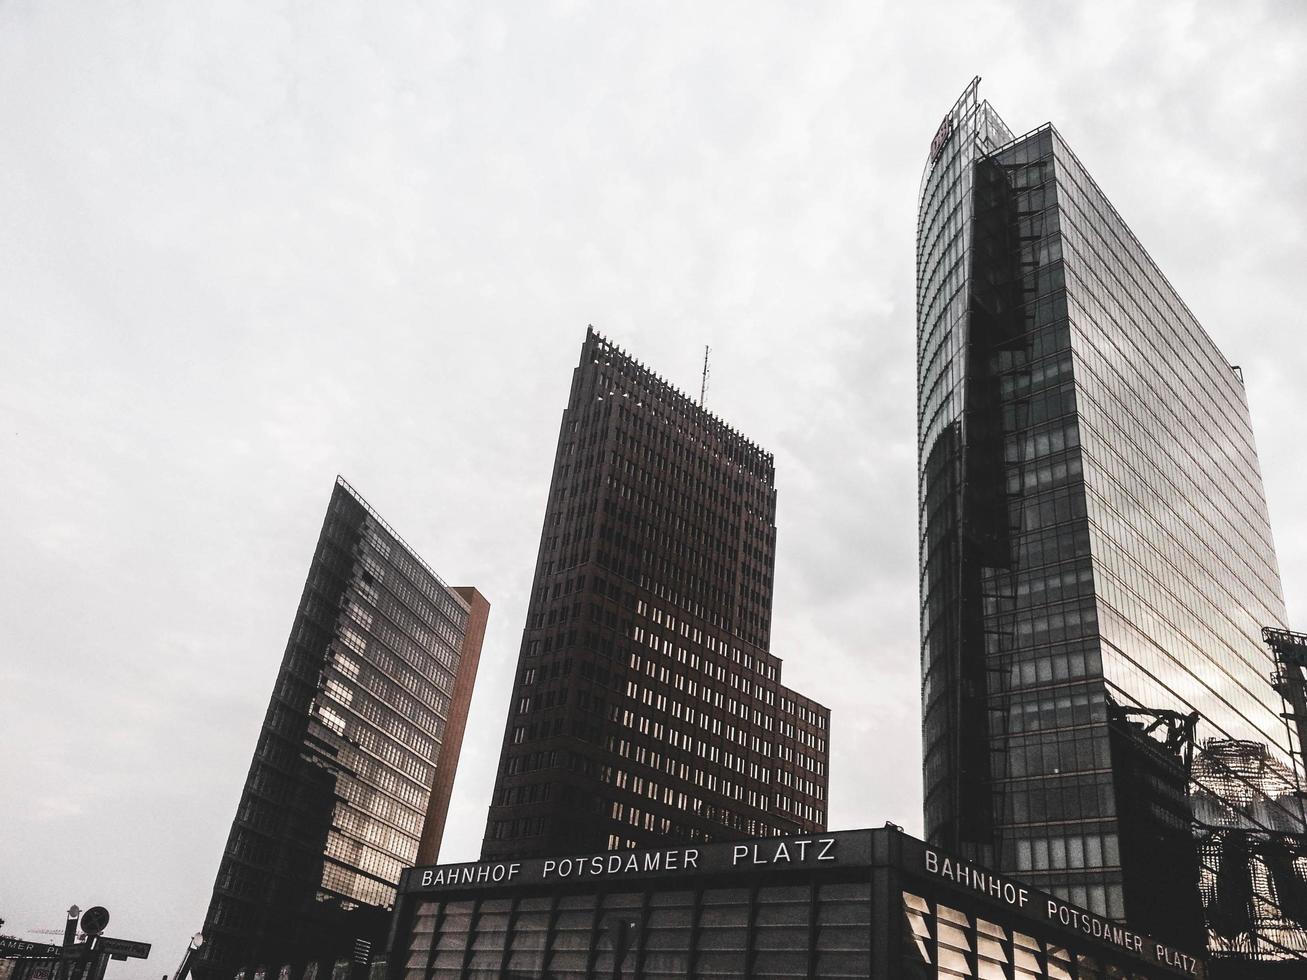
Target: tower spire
(703, 384)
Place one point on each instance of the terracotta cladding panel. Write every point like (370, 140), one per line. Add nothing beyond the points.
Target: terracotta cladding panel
(433, 827)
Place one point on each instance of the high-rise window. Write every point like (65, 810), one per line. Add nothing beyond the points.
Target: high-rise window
(1095, 555)
(646, 698)
(356, 759)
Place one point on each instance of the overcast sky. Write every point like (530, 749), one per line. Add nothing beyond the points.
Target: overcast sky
(246, 246)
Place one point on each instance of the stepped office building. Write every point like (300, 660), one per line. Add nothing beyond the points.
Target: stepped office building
(351, 778)
(1095, 549)
(647, 705)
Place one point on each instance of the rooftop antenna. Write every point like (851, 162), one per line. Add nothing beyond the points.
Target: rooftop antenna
(703, 385)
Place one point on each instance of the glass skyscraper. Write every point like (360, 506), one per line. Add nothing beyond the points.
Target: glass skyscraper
(351, 777)
(1095, 554)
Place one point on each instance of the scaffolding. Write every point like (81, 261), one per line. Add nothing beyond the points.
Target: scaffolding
(1253, 854)
(1290, 652)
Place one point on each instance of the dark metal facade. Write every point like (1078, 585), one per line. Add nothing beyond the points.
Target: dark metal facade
(851, 904)
(646, 704)
(1093, 527)
(350, 778)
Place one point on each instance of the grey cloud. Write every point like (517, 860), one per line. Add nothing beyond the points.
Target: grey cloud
(248, 247)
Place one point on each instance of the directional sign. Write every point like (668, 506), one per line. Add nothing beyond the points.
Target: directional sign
(10, 946)
(123, 948)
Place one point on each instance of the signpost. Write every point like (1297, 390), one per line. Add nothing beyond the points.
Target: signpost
(72, 960)
(120, 949)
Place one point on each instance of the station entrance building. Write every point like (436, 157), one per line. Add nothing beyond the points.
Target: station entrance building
(862, 903)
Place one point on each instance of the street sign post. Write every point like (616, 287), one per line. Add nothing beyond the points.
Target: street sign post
(121, 949)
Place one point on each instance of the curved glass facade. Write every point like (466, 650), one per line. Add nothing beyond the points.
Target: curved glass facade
(1094, 541)
(952, 685)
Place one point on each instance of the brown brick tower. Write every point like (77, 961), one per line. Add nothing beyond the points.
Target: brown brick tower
(647, 705)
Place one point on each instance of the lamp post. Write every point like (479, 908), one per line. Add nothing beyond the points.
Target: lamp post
(196, 942)
(63, 968)
(70, 927)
